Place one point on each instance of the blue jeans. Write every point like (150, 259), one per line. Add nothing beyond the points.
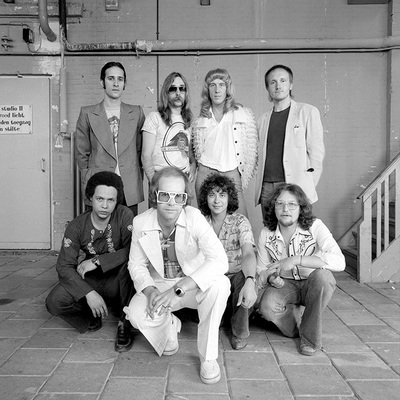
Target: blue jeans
(283, 306)
(202, 174)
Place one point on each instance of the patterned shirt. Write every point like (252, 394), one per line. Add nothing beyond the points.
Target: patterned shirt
(316, 241)
(113, 116)
(235, 232)
(82, 241)
(172, 269)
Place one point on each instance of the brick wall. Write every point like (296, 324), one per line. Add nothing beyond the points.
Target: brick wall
(348, 88)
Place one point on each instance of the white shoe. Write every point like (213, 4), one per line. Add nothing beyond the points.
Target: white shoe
(172, 345)
(210, 371)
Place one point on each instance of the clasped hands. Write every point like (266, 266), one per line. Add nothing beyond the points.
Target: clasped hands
(275, 280)
(160, 303)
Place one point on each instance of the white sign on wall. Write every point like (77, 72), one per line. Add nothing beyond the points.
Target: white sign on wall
(15, 120)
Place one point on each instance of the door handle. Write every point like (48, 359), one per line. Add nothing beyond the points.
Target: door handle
(43, 165)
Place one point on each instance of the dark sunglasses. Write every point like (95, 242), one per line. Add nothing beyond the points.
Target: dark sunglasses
(174, 89)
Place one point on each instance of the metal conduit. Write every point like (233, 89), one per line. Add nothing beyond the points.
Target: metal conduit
(237, 46)
(44, 21)
(227, 46)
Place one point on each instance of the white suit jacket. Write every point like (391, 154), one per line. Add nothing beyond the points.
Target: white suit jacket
(303, 150)
(198, 249)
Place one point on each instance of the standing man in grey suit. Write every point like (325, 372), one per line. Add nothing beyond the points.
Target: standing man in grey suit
(108, 137)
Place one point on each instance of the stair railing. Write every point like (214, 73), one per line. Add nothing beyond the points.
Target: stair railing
(378, 247)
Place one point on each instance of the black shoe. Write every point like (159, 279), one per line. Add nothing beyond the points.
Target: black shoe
(238, 343)
(124, 338)
(95, 324)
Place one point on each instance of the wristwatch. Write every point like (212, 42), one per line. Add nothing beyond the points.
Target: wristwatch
(179, 291)
(95, 261)
(252, 278)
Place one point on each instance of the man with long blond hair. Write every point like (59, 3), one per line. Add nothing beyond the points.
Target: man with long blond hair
(225, 135)
(166, 138)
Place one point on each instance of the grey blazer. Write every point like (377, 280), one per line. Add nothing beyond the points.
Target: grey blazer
(95, 149)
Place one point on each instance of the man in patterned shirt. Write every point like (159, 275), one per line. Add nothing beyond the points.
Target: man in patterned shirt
(296, 257)
(218, 201)
(92, 264)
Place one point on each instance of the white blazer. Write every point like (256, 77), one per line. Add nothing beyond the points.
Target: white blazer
(303, 150)
(198, 249)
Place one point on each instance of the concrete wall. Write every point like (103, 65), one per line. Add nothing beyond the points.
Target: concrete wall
(349, 88)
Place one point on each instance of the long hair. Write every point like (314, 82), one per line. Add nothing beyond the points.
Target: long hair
(306, 217)
(167, 172)
(106, 178)
(220, 183)
(163, 107)
(230, 103)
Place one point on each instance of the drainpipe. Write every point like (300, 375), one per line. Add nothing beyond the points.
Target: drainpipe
(62, 7)
(44, 22)
(63, 101)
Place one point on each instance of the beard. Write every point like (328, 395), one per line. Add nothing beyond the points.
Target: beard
(287, 222)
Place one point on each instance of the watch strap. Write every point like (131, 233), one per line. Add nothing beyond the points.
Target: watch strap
(95, 261)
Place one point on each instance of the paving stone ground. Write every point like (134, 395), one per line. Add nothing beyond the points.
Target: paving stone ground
(43, 358)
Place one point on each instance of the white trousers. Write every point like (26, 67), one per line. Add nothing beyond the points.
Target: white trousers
(210, 305)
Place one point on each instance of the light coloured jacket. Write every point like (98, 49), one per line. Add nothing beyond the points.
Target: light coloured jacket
(95, 149)
(303, 150)
(245, 137)
(198, 249)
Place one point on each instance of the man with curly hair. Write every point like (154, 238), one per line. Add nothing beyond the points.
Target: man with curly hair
(296, 254)
(224, 136)
(218, 201)
(92, 264)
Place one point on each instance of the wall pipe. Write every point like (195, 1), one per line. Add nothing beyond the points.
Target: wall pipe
(227, 46)
(164, 47)
(44, 21)
(62, 9)
(63, 100)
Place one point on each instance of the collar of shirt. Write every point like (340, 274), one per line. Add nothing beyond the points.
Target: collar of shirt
(276, 244)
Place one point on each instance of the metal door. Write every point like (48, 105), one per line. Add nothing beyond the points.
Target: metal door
(25, 163)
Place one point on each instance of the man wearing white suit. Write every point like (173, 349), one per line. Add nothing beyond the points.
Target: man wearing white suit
(291, 148)
(177, 261)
